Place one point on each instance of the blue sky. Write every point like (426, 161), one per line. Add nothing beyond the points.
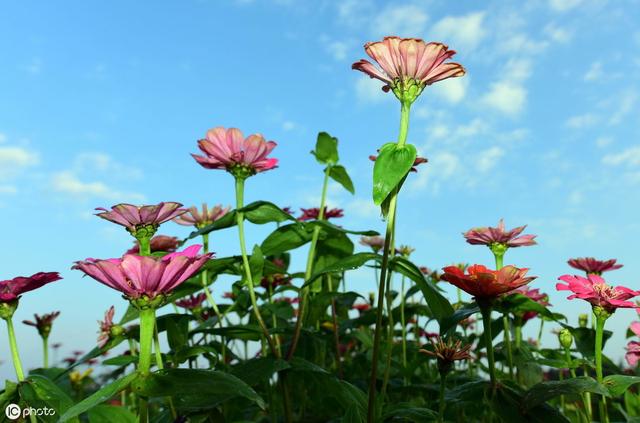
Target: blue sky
(103, 102)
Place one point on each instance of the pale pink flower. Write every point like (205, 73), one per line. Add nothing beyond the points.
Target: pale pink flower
(228, 149)
(105, 325)
(596, 291)
(136, 276)
(159, 243)
(134, 217)
(200, 219)
(633, 353)
(592, 265)
(11, 289)
(408, 62)
(498, 235)
(376, 243)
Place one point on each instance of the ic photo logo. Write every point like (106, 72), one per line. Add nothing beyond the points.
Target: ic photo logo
(13, 411)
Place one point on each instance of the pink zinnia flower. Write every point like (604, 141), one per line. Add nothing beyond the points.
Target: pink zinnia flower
(105, 325)
(498, 235)
(535, 295)
(137, 217)
(633, 348)
(414, 168)
(43, 323)
(136, 276)
(314, 212)
(192, 302)
(596, 291)
(228, 149)
(592, 265)
(482, 282)
(163, 243)
(408, 63)
(376, 243)
(11, 289)
(200, 219)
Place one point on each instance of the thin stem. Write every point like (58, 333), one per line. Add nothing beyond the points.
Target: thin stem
(304, 294)
(507, 342)
(488, 339)
(442, 405)
(144, 246)
(540, 331)
(336, 328)
(274, 318)
(247, 269)
(45, 352)
(15, 355)
(160, 364)
(584, 414)
(210, 300)
(600, 321)
(403, 328)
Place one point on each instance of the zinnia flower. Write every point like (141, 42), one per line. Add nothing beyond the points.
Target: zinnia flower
(361, 307)
(11, 289)
(192, 302)
(43, 323)
(447, 352)
(498, 235)
(136, 276)
(535, 295)
(596, 291)
(313, 213)
(105, 325)
(482, 282)
(228, 149)
(408, 65)
(592, 265)
(144, 219)
(404, 250)
(633, 348)
(159, 243)
(275, 280)
(376, 243)
(200, 219)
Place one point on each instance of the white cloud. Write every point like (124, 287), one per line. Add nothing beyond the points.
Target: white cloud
(288, 125)
(369, 90)
(67, 182)
(604, 141)
(519, 43)
(518, 69)
(488, 159)
(582, 121)
(363, 207)
(625, 104)
(594, 73)
(563, 5)
(354, 12)
(101, 162)
(558, 34)
(452, 90)
(407, 20)
(461, 32)
(13, 160)
(506, 97)
(628, 157)
(337, 49)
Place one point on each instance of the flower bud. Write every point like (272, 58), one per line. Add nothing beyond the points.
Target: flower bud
(7, 309)
(583, 320)
(566, 338)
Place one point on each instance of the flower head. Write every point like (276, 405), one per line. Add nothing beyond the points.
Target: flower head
(633, 353)
(490, 236)
(404, 250)
(535, 295)
(447, 352)
(362, 307)
(193, 302)
(376, 243)
(108, 329)
(314, 212)
(200, 219)
(592, 265)
(146, 278)
(228, 149)
(595, 290)
(158, 243)
(408, 65)
(141, 221)
(482, 282)
(43, 323)
(11, 289)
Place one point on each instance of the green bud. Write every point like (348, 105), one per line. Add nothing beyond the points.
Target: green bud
(241, 171)
(143, 232)
(566, 338)
(601, 313)
(372, 297)
(498, 248)
(583, 320)
(116, 330)
(7, 309)
(144, 302)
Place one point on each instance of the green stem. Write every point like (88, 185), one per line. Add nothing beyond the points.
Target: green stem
(147, 325)
(304, 294)
(507, 342)
(442, 404)
(247, 269)
(274, 319)
(210, 300)
(540, 331)
(15, 355)
(586, 416)
(403, 328)
(488, 339)
(600, 321)
(144, 246)
(336, 328)
(45, 352)
(160, 364)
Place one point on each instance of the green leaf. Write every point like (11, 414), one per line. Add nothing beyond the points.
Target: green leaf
(409, 412)
(285, 238)
(258, 370)
(110, 414)
(256, 264)
(521, 303)
(586, 339)
(339, 174)
(121, 360)
(261, 212)
(39, 392)
(393, 163)
(459, 315)
(618, 384)
(186, 353)
(330, 227)
(177, 331)
(439, 305)
(348, 263)
(326, 151)
(198, 388)
(544, 391)
(98, 397)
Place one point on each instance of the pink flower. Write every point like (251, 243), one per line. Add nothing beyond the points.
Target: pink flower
(162, 243)
(104, 333)
(498, 235)
(376, 243)
(535, 295)
(136, 217)
(43, 323)
(407, 63)
(194, 217)
(228, 149)
(596, 291)
(11, 289)
(136, 276)
(592, 265)
(192, 302)
(314, 212)
(633, 353)
(275, 280)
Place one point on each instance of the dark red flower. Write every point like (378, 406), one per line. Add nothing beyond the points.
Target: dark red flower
(159, 243)
(192, 302)
(313, 213)
(43, 323)
(12, 288)
(594, 266)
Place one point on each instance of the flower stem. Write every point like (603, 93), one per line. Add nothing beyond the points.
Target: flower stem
(147, 325)
(403, 328)
(584, 414)
(488, 339)
(144, 246)
(600, 321)
(507, 342)
(247, 269)
(442, 404)
(15, 355)
(304, 294)
(45, 352)
(207, 293)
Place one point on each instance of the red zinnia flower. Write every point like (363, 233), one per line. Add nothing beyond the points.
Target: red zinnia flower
(105, 325)
(313, 213)
(192, 302)
(592, 265)
(482, 282)
(275, 280)
(361, 307)
(11, 289)
(376, 243)
(596, 291)
(498, 235)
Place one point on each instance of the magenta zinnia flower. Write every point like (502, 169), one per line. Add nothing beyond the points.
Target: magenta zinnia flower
(11, 289)
(43, 323)
(633, 348)
(535, 295)
(136, 276)
(592, 265)
(596, 291)
(407, 63)
(138, 217)
(314, 212)
(200, 219)
(159, 243)
(490, 236)
(192, 302)
(228, 149)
